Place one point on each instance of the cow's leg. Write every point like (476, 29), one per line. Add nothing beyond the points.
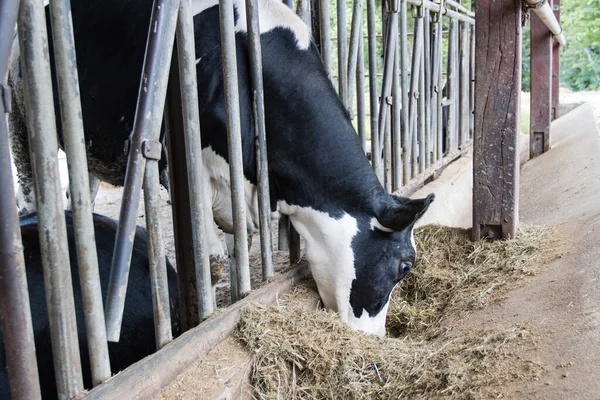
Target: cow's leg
(94, 188)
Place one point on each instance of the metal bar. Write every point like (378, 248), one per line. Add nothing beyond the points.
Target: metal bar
(387, 152)
(186, 61)
(472, 85)
(360, 94)
(464, 85)
(436, 8)
(256, 77)
(451, 127)
(373, 108)
(414, 81)
(294, 245)
(460, 7)
(83, 225)
(325, 35)
(440, 119)
(151, 99)
(156, 256)
(544, 12)
(41, 127)
(303, 11)
(436, 90)
(396, 120)
(234, 146)
(386, 86)
(180, 201)
(427, 93)
(289, 3)
(421, 121)
(404, 115)
(15, 309)
(342, 53)
(355, 37)
(283, 233)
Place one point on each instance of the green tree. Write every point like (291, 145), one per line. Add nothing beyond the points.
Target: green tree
(580, 59)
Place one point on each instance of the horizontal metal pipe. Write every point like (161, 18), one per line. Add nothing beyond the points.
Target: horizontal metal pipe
(460, 7)
(435, 7)
(85, 243)
(545, 13)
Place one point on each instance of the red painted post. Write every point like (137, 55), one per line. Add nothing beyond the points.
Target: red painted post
(555, 66)
(541, 87)
(495, 141)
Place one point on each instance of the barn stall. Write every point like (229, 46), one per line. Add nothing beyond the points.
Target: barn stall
(415, 50)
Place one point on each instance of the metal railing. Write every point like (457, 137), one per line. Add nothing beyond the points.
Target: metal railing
(420, 112)
(413, 127)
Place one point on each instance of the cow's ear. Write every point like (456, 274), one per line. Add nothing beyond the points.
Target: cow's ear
(402, 212)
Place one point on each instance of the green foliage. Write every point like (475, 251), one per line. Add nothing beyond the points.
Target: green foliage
(526, 60)
(580, 59)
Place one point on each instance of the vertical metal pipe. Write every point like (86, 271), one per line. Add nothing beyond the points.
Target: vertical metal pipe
(404, 116)
(256, 77)
(387, 152)
(83, 225)
(414, 90)
(396, 120)
(436, 91)
(183, 233)
(151, 99)
(355, 37)
(421, 122)
(360, 93)
(41, 126)
(15, 309)
(451, 87)
(472, 83)
(156, 256)
(427, 92)
(386, 86)
(464, 85)
(373, 112)
(193, 150)
(289, 3)
(325, 35)
(234, 145)
(303, 11)
(342, 53)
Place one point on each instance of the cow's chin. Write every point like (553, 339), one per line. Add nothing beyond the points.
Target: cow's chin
(372, 325)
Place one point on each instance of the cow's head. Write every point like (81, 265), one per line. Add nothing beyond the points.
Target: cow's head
(357, 260)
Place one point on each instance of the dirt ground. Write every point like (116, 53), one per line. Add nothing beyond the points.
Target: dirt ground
(560, 188)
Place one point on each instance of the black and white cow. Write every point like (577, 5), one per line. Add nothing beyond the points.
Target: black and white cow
(359, 239)
(137, 335)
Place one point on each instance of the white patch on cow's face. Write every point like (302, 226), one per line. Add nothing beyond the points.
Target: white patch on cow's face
(272, 14)
(331, 257)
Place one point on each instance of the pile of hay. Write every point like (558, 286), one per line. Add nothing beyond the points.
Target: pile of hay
(305, 353)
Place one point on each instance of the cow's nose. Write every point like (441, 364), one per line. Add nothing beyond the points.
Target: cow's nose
(405, 267)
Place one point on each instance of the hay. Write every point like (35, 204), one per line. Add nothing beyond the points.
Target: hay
(304, 354)
(454, 274)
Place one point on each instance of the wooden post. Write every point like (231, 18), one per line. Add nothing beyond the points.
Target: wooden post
(541, 87)
(496, 144)
(555, 65)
